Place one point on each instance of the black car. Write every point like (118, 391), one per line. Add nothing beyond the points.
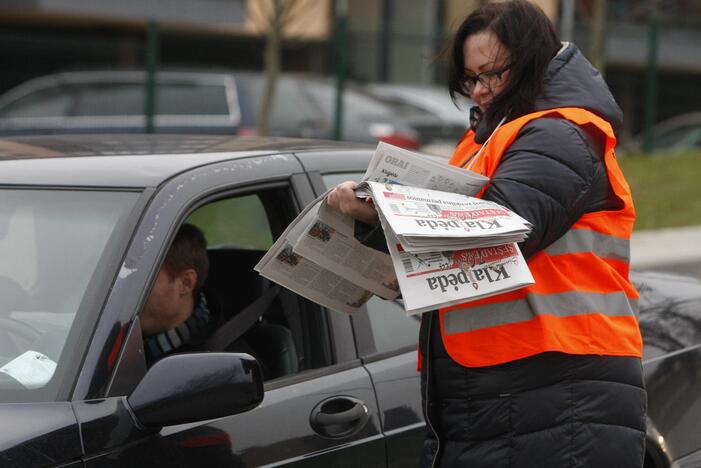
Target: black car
(85, 222)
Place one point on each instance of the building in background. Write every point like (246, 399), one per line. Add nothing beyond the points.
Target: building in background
(402, 41)
(389, 40)
(44, 36)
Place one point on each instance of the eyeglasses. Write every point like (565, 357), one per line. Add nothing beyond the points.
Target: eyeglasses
(489, 79)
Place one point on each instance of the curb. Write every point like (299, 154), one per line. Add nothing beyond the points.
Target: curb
(665, 247)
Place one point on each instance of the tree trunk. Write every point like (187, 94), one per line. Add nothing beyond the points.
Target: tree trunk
(272, 68)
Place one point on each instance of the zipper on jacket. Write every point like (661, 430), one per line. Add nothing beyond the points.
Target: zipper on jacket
(427, 363)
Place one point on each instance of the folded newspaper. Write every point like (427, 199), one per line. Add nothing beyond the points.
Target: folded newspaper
(319, 258)
(426, 220)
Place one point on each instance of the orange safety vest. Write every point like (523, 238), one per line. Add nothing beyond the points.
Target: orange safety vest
(582, 301)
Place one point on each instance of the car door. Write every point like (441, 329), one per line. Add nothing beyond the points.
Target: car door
(386, 338)
(286, 429)
(670, 322)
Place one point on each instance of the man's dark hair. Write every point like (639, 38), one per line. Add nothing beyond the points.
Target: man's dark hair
(188, 250)
(531, 39)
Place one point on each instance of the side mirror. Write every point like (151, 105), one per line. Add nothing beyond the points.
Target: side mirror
(194, 387)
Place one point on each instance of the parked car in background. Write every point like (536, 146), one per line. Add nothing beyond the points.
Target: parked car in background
(85, 222)
(195, 102)
(675, 135)
(441, 123)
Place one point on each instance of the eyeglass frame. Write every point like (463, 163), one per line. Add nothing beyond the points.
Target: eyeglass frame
(471, 81)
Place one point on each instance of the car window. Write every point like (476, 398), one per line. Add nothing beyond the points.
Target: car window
(356, 105)
(191, 99)
(390, 327)
(115, 99)
(292, 110)
(48, 102)
(222, 223)
(332, 180)
(287, 334)
(670, 138)
(404, 108)
(51, 244)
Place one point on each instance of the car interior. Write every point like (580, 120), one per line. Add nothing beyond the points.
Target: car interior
(286, 333)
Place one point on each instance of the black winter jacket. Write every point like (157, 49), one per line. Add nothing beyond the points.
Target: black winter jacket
(549, 410)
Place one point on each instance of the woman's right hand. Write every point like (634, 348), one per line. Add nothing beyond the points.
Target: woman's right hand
(344, 200)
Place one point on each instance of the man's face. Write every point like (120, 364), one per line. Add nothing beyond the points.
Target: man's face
(170, 302)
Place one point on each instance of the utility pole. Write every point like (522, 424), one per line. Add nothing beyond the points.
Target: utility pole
(651, 78)
(341, 64)
(430, 26)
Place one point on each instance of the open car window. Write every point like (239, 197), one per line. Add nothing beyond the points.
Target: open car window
(287, 334)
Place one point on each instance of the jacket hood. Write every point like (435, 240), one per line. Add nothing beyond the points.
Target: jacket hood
(570, 81)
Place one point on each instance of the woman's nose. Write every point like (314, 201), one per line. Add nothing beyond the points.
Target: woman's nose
(479, 90)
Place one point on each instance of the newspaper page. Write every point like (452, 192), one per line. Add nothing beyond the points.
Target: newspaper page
(393, 165)
(329, 242)
(428, 220)
(440, 279)
(308, 279)
(304, 277)
(318, 256)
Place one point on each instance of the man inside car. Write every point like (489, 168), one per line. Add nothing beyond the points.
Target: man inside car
(176, 317)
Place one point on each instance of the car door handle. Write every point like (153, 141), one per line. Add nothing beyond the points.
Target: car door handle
(339, 416)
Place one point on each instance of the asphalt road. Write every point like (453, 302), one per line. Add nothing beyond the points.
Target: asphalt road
(686, 269)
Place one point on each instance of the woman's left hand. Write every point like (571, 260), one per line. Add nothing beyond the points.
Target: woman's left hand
(344, 200)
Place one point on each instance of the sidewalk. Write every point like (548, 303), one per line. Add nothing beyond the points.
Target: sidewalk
(674, 246)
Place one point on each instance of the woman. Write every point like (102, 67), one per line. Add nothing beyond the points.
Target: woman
(550, 375)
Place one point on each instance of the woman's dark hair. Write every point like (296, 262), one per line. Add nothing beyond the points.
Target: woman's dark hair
(532, 42)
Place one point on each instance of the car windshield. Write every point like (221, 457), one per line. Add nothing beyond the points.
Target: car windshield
(52, 247)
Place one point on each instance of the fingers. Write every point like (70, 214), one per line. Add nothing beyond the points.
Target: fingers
(342, 195)
(344, 200)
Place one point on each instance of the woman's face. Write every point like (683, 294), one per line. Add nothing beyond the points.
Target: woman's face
(486, 67)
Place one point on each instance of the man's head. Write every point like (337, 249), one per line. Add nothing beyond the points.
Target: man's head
(178, 284)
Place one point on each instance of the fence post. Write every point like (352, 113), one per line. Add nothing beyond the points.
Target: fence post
(341, 69)
(651, 80)
(152, 46)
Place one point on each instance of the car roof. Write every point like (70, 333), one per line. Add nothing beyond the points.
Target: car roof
(134, 160)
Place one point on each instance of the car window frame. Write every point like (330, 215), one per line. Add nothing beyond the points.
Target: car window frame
(126, 373)
(166, 207)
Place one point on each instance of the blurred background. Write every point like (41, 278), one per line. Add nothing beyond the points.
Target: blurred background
(353, 70)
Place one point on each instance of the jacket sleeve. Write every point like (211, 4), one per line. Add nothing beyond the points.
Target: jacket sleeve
(550, 175)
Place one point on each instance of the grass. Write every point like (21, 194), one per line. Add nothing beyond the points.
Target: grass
(666, 189)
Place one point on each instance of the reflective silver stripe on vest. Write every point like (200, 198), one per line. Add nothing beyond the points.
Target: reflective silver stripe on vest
(585, 240)
(560, 305)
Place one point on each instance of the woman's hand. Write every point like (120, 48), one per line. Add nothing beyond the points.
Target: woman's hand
(344, 200)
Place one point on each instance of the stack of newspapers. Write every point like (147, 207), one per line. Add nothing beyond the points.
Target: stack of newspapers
(446, 247)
